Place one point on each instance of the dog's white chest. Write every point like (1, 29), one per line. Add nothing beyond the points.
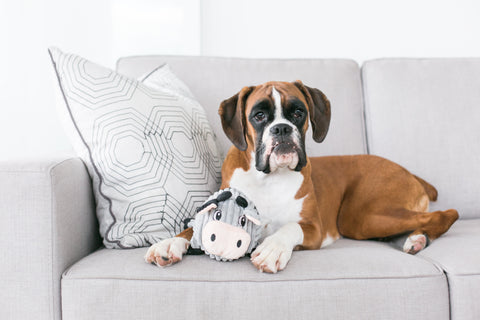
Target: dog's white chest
(273, 194)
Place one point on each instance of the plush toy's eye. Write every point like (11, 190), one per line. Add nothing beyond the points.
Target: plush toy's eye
(217, 215)
(242, 221)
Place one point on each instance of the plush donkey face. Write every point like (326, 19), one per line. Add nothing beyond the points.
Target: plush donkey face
(226, 226)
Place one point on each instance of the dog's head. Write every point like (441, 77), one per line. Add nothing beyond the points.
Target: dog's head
(271, 120)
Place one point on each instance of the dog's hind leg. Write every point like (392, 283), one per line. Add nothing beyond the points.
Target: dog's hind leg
(439, 223)
(422, 226)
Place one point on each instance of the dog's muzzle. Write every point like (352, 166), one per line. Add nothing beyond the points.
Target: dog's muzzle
(281, 149)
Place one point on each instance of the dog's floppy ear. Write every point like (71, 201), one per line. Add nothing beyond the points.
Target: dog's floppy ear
(232, 113)
(319, 109)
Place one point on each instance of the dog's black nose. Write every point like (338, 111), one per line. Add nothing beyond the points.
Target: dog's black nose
(280, 130)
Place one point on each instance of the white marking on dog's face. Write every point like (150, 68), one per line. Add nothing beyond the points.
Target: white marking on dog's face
(284, 159)
(277, 101)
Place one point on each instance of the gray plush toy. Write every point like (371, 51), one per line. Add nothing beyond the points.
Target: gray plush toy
(227, 226)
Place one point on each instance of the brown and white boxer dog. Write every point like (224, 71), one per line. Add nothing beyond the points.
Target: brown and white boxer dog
(308, 203)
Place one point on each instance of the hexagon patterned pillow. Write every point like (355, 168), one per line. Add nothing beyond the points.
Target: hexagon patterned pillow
(150, 150)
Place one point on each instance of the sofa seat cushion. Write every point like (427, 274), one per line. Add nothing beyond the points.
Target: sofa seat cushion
(458, 253)
(347, 280)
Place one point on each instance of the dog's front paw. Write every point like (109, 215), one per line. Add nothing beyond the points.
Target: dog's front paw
(167, 252)
(272, 255)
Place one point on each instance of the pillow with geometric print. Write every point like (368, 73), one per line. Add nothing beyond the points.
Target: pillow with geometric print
(148, 147)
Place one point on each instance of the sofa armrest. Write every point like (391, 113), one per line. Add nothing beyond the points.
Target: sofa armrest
(48, 222)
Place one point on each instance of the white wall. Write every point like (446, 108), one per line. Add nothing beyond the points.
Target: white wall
(103, 30)
(355, 29)
(99, 30)
(28, 123)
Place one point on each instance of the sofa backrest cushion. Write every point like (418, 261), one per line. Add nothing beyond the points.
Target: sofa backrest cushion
(214, 79)
(425, 114)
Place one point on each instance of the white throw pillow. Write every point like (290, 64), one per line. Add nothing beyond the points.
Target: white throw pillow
(148, 147)
(162, 78)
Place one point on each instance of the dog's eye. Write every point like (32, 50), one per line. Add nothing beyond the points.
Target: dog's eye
(259, 116)
(242, 221)
(298, 113)
(217, 215)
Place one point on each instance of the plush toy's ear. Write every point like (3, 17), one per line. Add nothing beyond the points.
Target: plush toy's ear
(232, 113)
(319, 109)
(255, 221)
(206, 208)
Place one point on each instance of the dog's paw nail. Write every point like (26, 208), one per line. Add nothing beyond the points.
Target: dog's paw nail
(165, 258)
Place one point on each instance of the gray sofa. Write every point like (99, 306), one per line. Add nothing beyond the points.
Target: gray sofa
(421, 113)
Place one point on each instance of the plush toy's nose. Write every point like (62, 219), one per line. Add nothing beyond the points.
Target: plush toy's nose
(225, 240)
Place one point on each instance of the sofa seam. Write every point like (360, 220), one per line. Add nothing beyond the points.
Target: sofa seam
(56, 164)
(449, 295)
(40, 171)
(25, 171)
(439, 275)
(444, 269)
(366, 117)
(66, 272)
(461, 275)
(52, 244)
(364, 112)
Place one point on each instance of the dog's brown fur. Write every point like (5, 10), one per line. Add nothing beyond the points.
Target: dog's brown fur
(359, 197)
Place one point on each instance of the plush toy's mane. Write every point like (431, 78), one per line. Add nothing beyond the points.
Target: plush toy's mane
(221, 197)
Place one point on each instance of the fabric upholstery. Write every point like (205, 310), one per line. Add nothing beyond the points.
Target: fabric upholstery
(212, 80)
(347, 280)
(151, 152)
(424, 114)
(47, 210)
(48, 223)
(458, 253)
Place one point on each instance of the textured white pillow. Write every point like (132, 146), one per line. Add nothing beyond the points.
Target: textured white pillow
(162, 78)
(148, 147)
